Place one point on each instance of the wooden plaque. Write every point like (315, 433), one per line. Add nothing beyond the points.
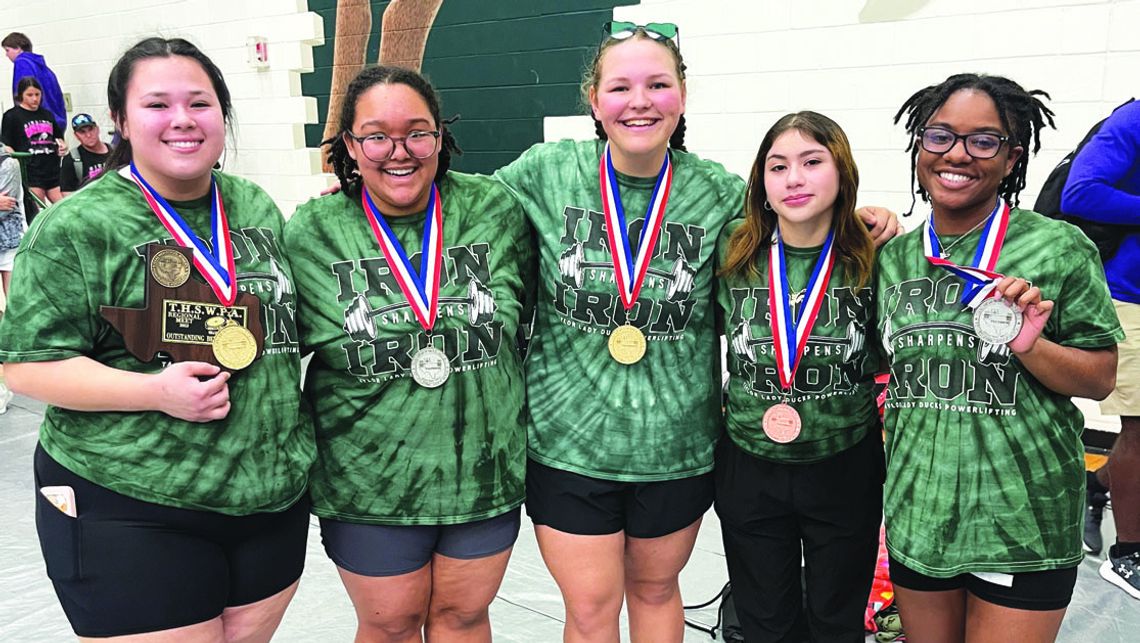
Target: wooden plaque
(181, 316)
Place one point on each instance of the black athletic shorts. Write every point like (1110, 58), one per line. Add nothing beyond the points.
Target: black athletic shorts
(1037, 591)
(586, 506)
(43, 171)
(125, 566)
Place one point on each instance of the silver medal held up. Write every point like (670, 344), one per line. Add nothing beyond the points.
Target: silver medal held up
(997, 321)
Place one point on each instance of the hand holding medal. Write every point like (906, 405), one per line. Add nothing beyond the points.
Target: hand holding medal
(1025, 300)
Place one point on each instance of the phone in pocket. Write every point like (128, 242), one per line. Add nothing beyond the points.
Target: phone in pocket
(63, 497)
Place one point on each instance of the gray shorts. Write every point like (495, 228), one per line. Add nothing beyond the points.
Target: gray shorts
(392, 550)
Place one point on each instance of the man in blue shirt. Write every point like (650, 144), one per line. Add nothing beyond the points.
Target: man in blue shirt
(1104, 186)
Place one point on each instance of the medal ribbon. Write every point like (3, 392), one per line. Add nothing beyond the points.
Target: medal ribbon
(420, 289)
(630, 270)
(217, 269)
(790, 334)
(979, 275)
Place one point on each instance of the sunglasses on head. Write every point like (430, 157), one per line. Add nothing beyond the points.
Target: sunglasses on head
(656, 30)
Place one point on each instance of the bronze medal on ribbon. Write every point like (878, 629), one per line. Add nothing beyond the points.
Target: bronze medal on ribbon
(781, 423)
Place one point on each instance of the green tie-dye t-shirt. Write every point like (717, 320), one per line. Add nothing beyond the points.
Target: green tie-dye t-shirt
(833, 384)
(657, 419)
(89, 250)
(391, 451)
(985, 469)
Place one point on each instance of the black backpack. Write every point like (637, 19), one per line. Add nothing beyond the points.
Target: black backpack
(727, 627)
(1107, 237)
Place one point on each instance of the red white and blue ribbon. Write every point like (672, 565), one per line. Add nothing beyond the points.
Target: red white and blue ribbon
(420, 289)
(216, 267)
(630, 269)
(790, 334)
(980, 275)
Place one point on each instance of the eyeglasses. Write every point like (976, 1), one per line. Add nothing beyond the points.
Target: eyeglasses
(656, 30)
(980, 145)
(379, 147)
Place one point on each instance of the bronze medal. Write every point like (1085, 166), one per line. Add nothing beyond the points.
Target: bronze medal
(781, 423)
(627, 344)
(170, 268)
(234, 347)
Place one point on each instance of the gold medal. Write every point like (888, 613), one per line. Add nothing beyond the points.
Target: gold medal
(627, 344)
(234, 347)
(169, 268)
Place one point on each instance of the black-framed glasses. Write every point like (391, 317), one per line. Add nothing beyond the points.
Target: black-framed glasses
(380, 147)
(980, 145)
(619, 30)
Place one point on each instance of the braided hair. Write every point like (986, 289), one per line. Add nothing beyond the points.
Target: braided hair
(593, 76)
(343, 164)
(1022, 114)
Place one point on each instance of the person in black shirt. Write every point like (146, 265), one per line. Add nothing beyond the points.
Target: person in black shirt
(86, 161)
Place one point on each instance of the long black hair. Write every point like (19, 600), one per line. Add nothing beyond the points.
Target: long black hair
(121, 77)
(343, 164)
(1022, 113)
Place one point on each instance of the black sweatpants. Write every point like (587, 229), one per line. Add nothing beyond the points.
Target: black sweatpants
(829, 511)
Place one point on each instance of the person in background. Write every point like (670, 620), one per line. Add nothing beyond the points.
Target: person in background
(18, 49)
(12, 226)
(28, 127)
(1104, 186)
(86, 160)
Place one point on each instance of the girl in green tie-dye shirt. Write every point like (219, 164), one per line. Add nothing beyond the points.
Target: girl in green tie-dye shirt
(985, 473)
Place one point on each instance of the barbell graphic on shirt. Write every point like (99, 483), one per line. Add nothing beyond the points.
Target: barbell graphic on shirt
(743, 342)
(572, 263)
(360, 317)
(284, 286)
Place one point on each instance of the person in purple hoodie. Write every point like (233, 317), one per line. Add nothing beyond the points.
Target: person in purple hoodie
(18, 48)
(1104, 186)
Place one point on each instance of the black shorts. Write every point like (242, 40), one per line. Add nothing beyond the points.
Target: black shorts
(125, 566)
(1037, 591)
(43, 171)
(578, 504)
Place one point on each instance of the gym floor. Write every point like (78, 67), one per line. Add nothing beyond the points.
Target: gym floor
(528, 608)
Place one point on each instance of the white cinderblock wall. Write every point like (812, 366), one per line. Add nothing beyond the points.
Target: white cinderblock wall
(752, 61)
(82, 39)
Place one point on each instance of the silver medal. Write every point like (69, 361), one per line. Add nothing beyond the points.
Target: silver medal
(997, 321)
(430, 367)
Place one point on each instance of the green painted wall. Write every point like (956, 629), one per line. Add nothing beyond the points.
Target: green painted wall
(502, 64)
